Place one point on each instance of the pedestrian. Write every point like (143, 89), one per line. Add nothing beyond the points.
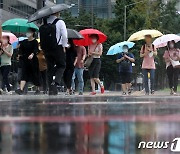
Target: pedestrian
(71, 60)
(148, 53)
(42, 69)
(95, 50)
(125, 60)
(79, 69)
(30, 66)
(6, 53)
(53, 39)
(172, 54)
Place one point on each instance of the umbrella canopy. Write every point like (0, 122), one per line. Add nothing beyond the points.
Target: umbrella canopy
(15, 44)
(163, 40)
(118, 48)
(73, 34)
(18, 25)
(12, 37)
(140, 35)
(47, 11)
(87, 41)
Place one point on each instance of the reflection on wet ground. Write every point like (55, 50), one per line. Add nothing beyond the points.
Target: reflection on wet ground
(87, 125)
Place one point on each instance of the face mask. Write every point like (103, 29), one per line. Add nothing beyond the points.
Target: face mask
(125, 50)
(4, 41)
(94, 40)
(28, 35)
(171, 45)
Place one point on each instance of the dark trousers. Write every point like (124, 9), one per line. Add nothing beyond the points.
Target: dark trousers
(44, 79)
(173, 74)
(5, 81)
(56, 62)
(68, 73)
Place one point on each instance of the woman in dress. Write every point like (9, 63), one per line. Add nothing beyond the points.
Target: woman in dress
(30, 66)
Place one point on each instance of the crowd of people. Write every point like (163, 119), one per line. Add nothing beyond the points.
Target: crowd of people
(47, 62)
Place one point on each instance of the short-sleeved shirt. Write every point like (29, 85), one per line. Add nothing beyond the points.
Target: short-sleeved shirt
(148, 61)
(95, 48)
(121, 69)
(71, 55)
(173, 54)
(81, 51)
(6, 60)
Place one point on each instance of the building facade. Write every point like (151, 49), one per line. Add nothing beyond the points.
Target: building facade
(101, 8)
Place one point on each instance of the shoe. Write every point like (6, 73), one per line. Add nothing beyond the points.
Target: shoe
(152, 92)
(9, 93)
(129, 92)
(19, 92)
(80, 93)
(37, 92)
(102, 90)
(45, 92)
(53, 89)
(93, 93)
(124, 93)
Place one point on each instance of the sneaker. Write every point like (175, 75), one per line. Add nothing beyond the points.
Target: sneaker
(19, 92)
(81, 93)
(53, 89)
(37, 92)
(152, 92)
(93, 93)
(102, 90)
(124, 93)
(129, 92)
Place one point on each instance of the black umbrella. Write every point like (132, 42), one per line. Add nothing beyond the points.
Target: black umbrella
(73, 34)
(47, 11)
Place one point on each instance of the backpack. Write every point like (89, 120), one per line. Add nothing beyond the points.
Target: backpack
(48, 36)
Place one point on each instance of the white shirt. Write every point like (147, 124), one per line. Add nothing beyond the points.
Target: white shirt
(61, 31)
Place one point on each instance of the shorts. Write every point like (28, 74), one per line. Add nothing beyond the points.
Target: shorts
(95, 68)
(126, 77)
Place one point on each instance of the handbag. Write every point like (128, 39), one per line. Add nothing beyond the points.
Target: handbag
(89, 59)
(175, 64)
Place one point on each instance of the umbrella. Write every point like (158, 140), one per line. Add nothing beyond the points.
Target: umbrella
(73, 34)
(140, 35)
(118, 48)
(163, 40)
(12, 37)
(18, 25)
(87, 41)
(15, 44)
(47, 11)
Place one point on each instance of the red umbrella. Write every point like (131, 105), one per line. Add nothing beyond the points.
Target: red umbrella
(87, 40)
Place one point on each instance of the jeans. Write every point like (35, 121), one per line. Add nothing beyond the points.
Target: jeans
(173, 74)
(146, 79)
(5, 81)
(79, 73)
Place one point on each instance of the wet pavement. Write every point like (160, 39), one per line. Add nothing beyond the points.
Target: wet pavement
(102, 124)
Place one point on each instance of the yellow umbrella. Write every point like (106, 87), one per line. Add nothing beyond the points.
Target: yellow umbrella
(140, 35)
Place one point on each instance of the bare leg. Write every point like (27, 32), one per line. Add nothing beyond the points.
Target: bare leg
(92, 85)
(22, 84)
(98, 81)
(128, 85)
(124, 88)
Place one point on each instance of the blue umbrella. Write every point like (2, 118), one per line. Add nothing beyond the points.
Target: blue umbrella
(118, 48)
(15, 44)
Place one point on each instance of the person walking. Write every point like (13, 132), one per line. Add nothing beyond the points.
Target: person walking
(125, 60)
(79, 69)
(71, 60)
(148, 53)
(95, 50)
(30, 66)
(6, 53)
(42, 69)
(53, 38)
(172, 54)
